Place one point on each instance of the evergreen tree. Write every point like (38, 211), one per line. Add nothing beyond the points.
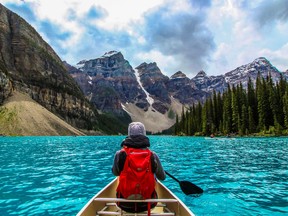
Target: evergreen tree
(235, 110)
(227, 111)
(268, 92)
(243, 120)
(241, 111)
(279, 95)
(187, 123)
(252, 106)
(210, 116)
(183, 120)
(251, 121)
(217, 110)
(285, 107)
(261, 104)
(282, 86)
(205, 128)
(198, 117)
(176, 131)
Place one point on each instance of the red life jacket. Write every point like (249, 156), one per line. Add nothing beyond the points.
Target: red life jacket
(137, 181)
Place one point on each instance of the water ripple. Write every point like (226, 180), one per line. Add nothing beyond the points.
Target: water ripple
(58, 175)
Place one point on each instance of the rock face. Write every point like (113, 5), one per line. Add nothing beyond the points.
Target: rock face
(5, 86)
(183, 89)
(208, 84)
(286, 74)
(108, 82)
(30, 65)
(259, 66)
(154, 82)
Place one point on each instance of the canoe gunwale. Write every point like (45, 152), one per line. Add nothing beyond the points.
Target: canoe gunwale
(166, 200)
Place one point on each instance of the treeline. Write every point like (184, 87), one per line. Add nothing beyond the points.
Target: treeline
(258, 109)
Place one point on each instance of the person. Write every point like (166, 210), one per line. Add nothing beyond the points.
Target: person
(135, 148)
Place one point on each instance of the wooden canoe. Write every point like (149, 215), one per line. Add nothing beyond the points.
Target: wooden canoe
(104, 203)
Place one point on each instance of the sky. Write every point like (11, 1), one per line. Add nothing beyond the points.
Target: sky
(216, 36)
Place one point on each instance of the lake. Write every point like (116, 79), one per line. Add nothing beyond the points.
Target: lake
(58, 175)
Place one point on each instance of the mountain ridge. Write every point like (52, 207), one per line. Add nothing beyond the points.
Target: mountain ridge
(28, 64)
(22, 116)
(108, 84)
(156, 92)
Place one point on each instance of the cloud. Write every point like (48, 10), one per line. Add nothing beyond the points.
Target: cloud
(157, 57)
(269, 12)
(120, 14)
(53, 33)
(278, 57)
(95, 13)
(24, 9)
(188, 35)
(201, 3)
(94, 41)
(87, 29)
(182, 35)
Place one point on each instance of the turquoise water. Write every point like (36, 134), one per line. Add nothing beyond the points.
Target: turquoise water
(58, 175)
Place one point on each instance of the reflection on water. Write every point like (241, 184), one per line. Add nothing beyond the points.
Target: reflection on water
(52, 175)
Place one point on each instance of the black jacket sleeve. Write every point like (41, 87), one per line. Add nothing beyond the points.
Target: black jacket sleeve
(159, 171)
(119, 161)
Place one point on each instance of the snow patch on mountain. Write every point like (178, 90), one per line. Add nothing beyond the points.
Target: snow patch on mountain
(111, 53)
(148, 97)
(125, 109)
(80, 65)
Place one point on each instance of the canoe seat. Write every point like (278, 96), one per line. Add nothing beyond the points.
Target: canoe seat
(110, 203)
(103, 199)
(133, 214)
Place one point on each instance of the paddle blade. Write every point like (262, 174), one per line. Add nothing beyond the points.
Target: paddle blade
(190, 188)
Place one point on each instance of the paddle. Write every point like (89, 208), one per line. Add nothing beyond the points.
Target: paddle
(186, 186)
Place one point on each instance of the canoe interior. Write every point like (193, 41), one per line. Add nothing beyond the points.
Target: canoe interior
(173, 206)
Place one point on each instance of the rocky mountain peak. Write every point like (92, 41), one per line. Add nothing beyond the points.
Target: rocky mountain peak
(111, 53)
(286, 74)
(109, 82)
(150, 72)
(154, 82)
(150, 90)
(178, 74)
(261, 61)
(33, 67)
(150, 68)
(201, 79)
(259, 66)
(201, 74)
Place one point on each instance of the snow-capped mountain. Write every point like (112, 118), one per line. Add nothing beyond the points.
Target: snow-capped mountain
(259, 66)
(112, 85)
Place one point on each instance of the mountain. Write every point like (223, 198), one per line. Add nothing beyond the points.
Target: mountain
(286, 74)
(239, 75)
(113, 86)
(147, 95)
(22, 116)
(259, 66)
(106, 92)
(29, 65)
(109, 82)
(153, 82)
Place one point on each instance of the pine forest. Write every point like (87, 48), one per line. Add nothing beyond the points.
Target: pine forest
(260, 109)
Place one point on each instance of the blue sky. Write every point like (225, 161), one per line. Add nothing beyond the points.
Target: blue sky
(216, 36)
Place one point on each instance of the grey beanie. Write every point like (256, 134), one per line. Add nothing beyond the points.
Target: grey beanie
(136, 128)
